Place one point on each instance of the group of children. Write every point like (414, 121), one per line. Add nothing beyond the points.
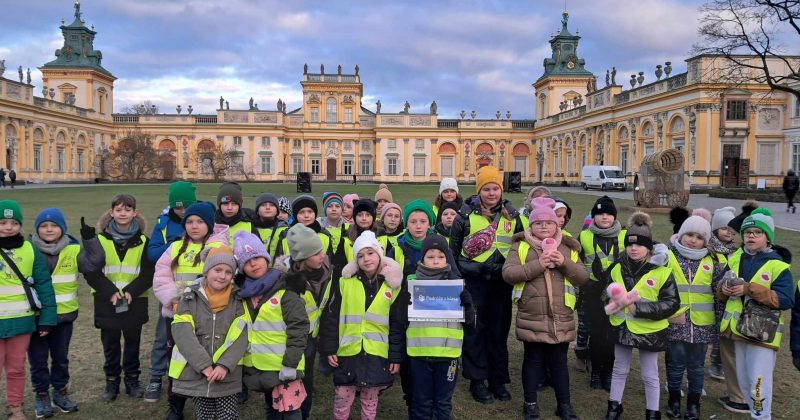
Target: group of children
(252, 299)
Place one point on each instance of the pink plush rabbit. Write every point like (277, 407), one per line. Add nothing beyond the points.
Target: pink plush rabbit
(549, 245)
(619, 299)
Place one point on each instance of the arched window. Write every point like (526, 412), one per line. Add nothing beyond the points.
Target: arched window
(330, 109)
(447, 148)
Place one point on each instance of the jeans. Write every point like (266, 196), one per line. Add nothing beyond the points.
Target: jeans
(56, 346)
(539, 357)
(433, 386)
(689, 357)
(159, 360)
(486, 344)
(114, 351)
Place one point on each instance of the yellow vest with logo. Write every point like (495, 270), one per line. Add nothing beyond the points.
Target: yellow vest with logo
(648, 286)
(313, 310)
(267, 336)
(434, 338)
(186, 272)
(697, 297)
(269, 237)
(121, 273)
(502, 239)
(590, 251)
(178, 362)
(570, 296)
(65, 279)
(13, 300)
(386, 241)
(241, 225)
(360, 329)
(764, 276)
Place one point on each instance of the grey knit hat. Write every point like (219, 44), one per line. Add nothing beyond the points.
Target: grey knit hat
(217, 256)
(303, 242)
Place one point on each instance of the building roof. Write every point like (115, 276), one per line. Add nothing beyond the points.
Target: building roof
(78, 50)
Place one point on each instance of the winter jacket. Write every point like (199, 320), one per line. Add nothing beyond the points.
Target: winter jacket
(42, 283)
(168, 229)
(105, 315)
(315, 281)
(294, 316)
(411, 257)
(791, 183)
(363, 369)
(542, 315)
(197, 344)
(164, 286)
(52, 261)
(668, 303)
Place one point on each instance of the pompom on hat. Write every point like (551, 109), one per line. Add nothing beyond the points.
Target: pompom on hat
(760, 218)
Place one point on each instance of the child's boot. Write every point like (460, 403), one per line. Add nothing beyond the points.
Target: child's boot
(43, 407)
(530, 411)
(15, 413)
(565, 412)
(112, 389)
(132, 386)
(596, 382)
(62, 400)
(674, 405)
(176, 406)
(692, 407)
(614, 410)
(652, 415)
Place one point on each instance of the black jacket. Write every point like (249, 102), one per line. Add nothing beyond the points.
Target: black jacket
(791, 183)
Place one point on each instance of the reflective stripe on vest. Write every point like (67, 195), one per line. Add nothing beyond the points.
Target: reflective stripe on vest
(121, 273)
(570, 295)
(360, 329)
(434, 339)
(13, 300)
(590, 251)
(187, 272)
(313, 311)
(648, 286)
(697, 297)
(502, 238)
(65, 279)
(178, 362)
(267, 336)
(387, 240)
(764, 276)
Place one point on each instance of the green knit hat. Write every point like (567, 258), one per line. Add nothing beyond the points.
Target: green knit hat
(182, 194)
(760, 218)
(419, 205)
(9, 209)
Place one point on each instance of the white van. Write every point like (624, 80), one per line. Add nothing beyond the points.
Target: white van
(603, 177)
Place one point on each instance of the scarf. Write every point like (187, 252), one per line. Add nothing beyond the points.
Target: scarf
(48, 248)
(722, 248)
(611, 232)
(632, 270)
(536, 243)
(12, 242)
(264, 223)
(441, 230)
(690, 253)
(315, 278)
(230, 221)
(218, 301)
(347, 220)
(428, 273)
(120, 237)
(258, 287)
(416, 245)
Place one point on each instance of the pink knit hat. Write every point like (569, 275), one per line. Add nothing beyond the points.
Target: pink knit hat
(350, 199)
(389, 206)
(543, 210)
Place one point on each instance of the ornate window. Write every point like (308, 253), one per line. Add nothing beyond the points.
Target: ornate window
(348, 115)
(391, 166)
(736, 110)
(330, 110)
(266, 165)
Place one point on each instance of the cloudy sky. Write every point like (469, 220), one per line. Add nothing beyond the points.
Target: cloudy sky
(478, 55)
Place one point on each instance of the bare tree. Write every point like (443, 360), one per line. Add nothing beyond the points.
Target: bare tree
(134, 158)
(145, 108)
(749, 35)
(221, 161)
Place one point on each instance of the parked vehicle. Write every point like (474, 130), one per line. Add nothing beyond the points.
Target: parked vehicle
(603, 177)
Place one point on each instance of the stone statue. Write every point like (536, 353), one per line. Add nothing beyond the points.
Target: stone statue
(227, 106)
(28, 79)
(608, 78)
(406, 107)
(19, 70)
(251, 102)
(434, 108)
(588, 86)
(613, 76)
(321, 69)
(2, 67)
(280, 104)
(339, 69)
(564, 19)
(221, 102)
(356, 69)
(305, 68)
(594, 85)
(255, 107)
(378, 106)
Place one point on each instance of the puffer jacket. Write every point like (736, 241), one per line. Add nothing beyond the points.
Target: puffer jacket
(542, 315)
(164, 286)
(198, 344)
(168, 229)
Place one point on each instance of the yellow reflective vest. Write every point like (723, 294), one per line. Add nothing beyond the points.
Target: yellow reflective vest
(267, 336)
(502, 241)
(186, 272)
(241, 225)
(178, 362)
(434, 338)
(65, 279)
(121, 273)
(570, 296)
(364, 329)
(313, 310)
(269, 237)
(697, 296)
(648, 286)
(323, 236)
(13, 300)
(591, 251)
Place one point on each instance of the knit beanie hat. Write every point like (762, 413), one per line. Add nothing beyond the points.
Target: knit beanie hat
(543, 210)
(560, 203)
(488, 175)
(721, 217)
(217, 256)
(747, 208)
(698, 225)
(389, 206)
(448, 184)
(704, 213)
(760, 218)
(302, 202)
(640, 228)
(384, 194)
(350, 198)
(283, 205)
(181, 194)
(448, 205)
(266, 198)
(9, 209)
(303, 242)
(434, 242)
(203, 210)
(247, 246)
(605, 205)
(230, 192)
(365, 204)
(419, 205)
(367, 239)
(51, 215)
(331, 197)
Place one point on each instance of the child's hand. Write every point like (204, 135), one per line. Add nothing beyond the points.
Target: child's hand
(87, 232)
(544, 260)
(218, 374)
(394, 368)
(128, 297)
(114, 298)
(632, 309)
(208, 372)
(333, 361)
(734, 291)
(556, 259)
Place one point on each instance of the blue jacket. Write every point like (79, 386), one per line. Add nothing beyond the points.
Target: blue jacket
(783, 286)
(159, 242)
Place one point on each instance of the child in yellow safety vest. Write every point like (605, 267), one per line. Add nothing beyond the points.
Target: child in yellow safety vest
(763, 281)
(445, 217)
(266, 222)
(390, 226)
(18, 322)
(697, 269)
(230, 211)
(210, 333)
(448, 193)
(62, 253)
(356, 327)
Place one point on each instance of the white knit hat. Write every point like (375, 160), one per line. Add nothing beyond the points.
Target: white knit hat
(721, 217)
(448, 184)
(698, 225)
(367, 239)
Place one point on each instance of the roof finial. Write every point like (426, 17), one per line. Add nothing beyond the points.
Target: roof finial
(78, 9)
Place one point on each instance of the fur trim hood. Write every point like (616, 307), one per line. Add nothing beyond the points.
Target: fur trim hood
(105, 219)
(390, 270)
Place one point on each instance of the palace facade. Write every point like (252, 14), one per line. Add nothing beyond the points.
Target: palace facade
(730, 134)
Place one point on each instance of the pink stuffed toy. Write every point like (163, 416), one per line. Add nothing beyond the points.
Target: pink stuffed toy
(549, 245)
(619, 299)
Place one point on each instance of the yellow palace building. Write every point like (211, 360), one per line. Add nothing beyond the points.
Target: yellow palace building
(730, 135)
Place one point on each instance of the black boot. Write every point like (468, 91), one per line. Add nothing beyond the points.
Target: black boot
(112, 389)
(652, 415)
(607, 382)
(132, 386)
(565, 412)
(596, 382)
(176, 406)
(692, 407)
(501, 393)
(480, 392)
(614, 410)
(530, 411)
(674, 405)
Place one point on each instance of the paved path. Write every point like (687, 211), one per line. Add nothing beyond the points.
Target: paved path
(782, 219)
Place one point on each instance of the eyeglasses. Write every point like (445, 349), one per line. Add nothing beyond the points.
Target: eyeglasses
(754, 233)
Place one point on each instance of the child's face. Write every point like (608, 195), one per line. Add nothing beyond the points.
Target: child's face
(435, 258)
(381, 203)
(491, 194)
(562, 217)
(364, 219)
(368, 260)
(229, 209)
(347, 211)
(283, 216)
(692, 240)
(725, 234)
(305, 216)
(334, 211)
(122, 214)
(49, 232)
(637, 252)
(255, 268)
(392, 219)
(755, 239)
(449, 195)
(179, 211)
(448, 217)
(196, 228)
(9, 227)
(604, 220)
(418, 225)
(219, 277)
(543, 229)
(315, 261)
(267, 211)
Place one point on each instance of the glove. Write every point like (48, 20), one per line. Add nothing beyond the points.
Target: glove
(87, 232)
(287, 374)
(470, 316)
(796, 362)
(406, 297)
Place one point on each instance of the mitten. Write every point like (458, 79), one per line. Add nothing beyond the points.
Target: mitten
(87, 232)
(287, 374)
(470, 316)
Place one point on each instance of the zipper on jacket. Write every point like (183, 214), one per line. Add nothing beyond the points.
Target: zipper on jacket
(213, 334)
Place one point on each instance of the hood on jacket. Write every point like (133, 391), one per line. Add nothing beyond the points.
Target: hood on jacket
(394, 275)
(569, 241)
(105, 219)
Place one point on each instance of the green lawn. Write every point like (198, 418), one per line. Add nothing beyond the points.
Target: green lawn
(87, 358)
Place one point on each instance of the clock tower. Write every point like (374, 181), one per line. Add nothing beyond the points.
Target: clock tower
(565, 76)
